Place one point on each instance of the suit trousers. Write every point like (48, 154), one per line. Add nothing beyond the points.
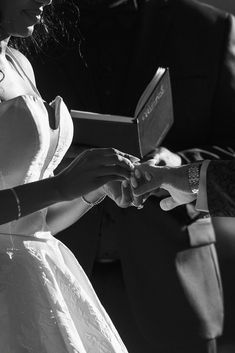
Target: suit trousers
(107, 279)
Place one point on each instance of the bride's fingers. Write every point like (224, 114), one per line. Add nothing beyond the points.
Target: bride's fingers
(168, 204)
(111, 158)
(104, 156)
(118, 170)
(132, 158)
(118, 160)
(112, 152)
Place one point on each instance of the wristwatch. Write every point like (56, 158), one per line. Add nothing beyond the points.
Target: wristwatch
(194, 177)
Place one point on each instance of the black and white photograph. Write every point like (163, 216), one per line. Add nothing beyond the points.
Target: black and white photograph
(117, 176)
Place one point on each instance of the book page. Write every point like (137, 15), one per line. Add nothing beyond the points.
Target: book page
(149, 89)
(104, 117)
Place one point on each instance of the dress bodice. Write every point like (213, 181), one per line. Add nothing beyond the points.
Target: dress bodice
(30, 149)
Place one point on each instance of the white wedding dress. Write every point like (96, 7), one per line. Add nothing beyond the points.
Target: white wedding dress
(47, 304)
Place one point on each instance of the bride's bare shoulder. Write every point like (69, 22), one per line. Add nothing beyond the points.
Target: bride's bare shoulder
(25, 63)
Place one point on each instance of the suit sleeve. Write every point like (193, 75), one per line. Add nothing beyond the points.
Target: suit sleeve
(223, 107)
(221, 188)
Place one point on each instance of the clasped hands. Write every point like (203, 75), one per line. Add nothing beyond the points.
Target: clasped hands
(161, 170)
(125, 179)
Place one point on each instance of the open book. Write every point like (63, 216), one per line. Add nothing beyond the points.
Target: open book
(136, 135)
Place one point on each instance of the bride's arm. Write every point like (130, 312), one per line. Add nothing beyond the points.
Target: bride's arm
(88, 172)
(62, 215)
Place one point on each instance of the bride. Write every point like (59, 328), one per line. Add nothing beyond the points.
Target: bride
(47, 304)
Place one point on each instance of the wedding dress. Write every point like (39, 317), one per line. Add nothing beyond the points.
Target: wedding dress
(47, 304)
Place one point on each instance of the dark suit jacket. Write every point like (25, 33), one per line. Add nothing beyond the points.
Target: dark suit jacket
(122, 50)
(221, 188)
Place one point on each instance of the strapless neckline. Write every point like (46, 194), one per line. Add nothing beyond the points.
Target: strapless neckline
(36, 97)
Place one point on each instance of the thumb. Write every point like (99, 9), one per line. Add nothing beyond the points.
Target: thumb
(168, 204)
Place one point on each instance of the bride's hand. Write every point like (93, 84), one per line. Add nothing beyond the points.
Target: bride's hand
(121, 193)
(92, 169)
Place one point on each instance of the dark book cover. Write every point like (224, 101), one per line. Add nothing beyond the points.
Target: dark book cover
(136, 135)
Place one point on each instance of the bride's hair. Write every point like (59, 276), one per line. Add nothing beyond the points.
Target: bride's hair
(59, 23)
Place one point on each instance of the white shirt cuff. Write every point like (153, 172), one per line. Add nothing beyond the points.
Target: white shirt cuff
(201, 204)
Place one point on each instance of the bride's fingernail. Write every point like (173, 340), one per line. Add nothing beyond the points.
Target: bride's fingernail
(134, 183)
(125, 183)
(148, 176)
(137, 173)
